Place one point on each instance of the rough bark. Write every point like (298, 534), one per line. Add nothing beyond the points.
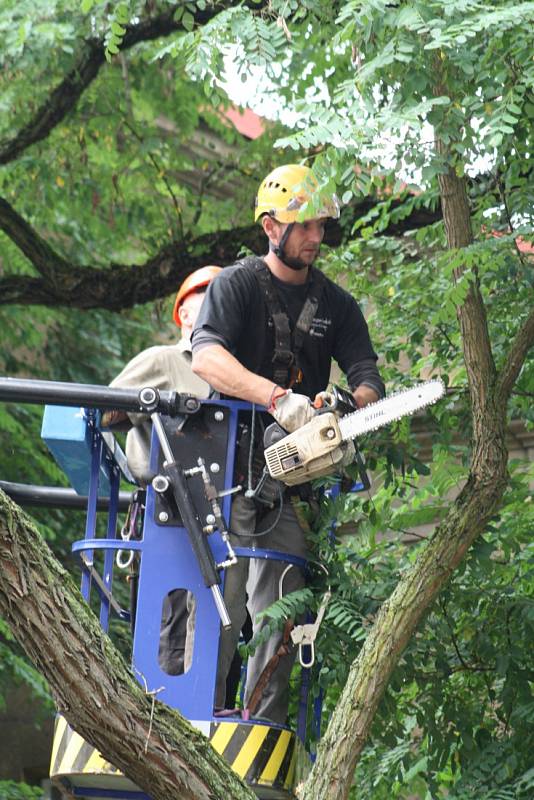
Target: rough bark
(480, 498)
(91, 684)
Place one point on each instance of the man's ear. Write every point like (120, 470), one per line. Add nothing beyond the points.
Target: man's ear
(183, 314)
(271, 228)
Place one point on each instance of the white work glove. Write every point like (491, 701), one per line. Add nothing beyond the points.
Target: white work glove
(292, 411)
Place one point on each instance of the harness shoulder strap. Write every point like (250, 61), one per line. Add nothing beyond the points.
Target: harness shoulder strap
(283, 357)
(286, 347)
(309, 308)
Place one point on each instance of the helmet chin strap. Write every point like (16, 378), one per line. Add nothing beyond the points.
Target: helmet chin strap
(279, 250)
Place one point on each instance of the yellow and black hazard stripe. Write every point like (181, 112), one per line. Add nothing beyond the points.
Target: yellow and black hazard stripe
(262, 755)
(72, 754)
(269, 759)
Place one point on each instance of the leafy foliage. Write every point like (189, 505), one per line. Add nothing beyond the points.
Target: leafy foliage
(15, 668)
(458, 712)
(15, 790)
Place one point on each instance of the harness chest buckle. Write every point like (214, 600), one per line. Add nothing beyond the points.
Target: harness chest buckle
(285, 357)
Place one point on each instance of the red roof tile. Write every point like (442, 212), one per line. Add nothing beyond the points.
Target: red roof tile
(245, 121)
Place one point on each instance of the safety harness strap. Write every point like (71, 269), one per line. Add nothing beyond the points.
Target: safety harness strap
(286, 347)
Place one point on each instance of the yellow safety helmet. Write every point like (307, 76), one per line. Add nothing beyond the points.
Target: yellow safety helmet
(284, 192)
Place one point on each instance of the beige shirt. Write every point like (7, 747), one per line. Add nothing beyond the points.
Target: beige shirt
(163, 367)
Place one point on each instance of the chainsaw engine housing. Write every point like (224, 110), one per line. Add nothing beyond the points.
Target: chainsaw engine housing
(307, 453)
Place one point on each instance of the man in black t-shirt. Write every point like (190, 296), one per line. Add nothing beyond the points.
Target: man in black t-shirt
(267, 333)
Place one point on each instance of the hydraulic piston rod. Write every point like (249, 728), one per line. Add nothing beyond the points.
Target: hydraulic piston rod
(185, 504)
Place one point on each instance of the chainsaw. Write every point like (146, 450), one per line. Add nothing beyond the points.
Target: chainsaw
(316, 448)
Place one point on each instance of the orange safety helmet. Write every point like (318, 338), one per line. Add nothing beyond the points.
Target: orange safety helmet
(199, 278)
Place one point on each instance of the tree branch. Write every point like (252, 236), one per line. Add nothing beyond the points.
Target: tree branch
(43, 257)
(478, 500)
(396, 622)
(122, 286)
(64, 97)
(91, 684)
(517, 353)
(471, 314)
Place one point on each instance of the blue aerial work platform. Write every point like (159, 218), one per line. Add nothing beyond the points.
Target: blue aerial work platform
(269, 757)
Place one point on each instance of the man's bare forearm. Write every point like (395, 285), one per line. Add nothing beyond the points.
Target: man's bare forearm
(228, 376)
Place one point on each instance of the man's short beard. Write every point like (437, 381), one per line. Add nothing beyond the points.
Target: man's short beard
(296, 264)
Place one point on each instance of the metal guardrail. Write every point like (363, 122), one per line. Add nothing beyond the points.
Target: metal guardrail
(26, 494)
(144, 401)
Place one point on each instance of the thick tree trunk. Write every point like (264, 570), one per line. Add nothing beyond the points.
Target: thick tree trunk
(89, 680)
(398, 618)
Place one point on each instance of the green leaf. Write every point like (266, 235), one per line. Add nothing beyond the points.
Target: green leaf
(188, 21)
(122, 14)
(117, 29)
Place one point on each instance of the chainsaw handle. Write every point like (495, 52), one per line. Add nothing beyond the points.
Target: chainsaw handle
(340, 401)
(324, 401)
